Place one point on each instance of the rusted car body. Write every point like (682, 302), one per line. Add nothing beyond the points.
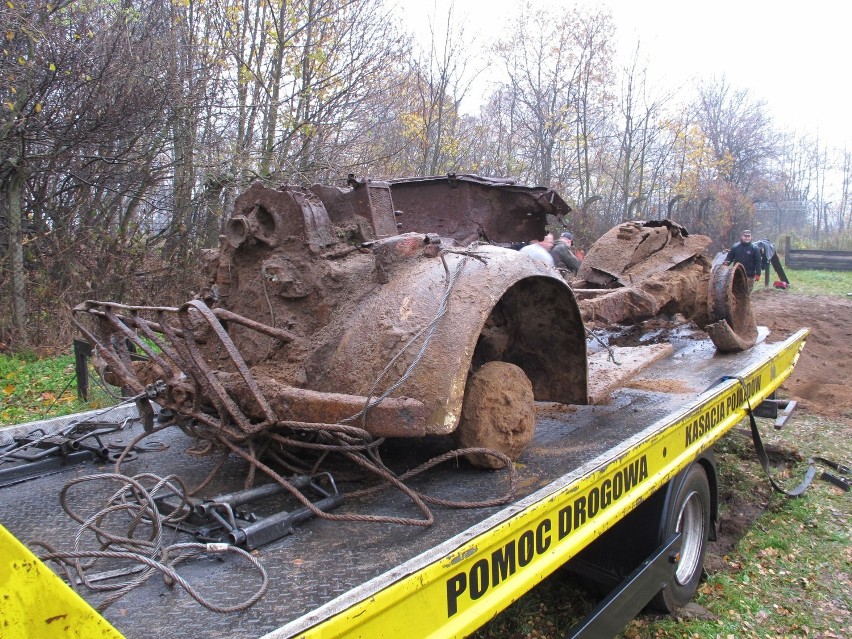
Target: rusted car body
(394, 307)
(320, 309)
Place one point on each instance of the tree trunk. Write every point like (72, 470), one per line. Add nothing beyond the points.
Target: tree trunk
(183, 139)
(270, 124)
(14, 187)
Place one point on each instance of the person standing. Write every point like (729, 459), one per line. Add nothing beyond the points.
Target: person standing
(540, 250)
(747, 254)
(563, 254)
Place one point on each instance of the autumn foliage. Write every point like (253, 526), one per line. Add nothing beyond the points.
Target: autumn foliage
(128, 129)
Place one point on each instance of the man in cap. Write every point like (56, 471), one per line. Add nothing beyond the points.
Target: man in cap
(563, 254)
(747, 254)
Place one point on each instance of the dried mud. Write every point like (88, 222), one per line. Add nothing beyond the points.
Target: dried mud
(498, 413)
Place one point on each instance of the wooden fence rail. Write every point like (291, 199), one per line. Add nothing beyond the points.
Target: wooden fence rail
(817, 259)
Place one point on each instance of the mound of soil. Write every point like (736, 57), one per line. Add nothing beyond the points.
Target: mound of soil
(821, 380)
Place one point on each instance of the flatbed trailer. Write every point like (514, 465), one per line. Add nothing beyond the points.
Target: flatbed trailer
(588, 468)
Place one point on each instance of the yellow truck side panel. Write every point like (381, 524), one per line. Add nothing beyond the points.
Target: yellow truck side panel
(455, 595)
(35, 603)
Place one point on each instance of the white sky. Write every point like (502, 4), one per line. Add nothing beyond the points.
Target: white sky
(795, 56)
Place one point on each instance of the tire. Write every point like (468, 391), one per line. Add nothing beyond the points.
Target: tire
(498, 413)
(689, 514)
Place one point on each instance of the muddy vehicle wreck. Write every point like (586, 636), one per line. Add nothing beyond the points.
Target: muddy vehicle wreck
(639, 270)
(396, 309)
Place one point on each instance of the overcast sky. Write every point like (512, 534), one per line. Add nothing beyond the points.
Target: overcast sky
(793, 56)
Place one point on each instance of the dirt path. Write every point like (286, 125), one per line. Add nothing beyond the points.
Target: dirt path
(821, 380)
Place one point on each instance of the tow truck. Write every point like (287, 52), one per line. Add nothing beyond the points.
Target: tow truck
(620, 487)
(640, 466)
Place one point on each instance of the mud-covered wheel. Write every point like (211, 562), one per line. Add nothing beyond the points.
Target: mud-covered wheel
(732, 326)
(730, 297)
(498, 413)
(688, 514)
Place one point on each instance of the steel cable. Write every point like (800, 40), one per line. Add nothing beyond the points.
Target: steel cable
(137, 501)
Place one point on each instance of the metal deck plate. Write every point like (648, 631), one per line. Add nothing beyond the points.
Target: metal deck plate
(323, 559)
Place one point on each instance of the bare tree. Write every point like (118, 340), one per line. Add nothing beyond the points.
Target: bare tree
(499, 134)
(846, 192)
(82, 145)
(645, 143)
(740, 135)
(322, 60)
(739, 130)
(593, 33)
(444, 82)
(542, 69)
(557, 64)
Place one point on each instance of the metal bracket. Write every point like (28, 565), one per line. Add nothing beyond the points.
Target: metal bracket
(622, 604)
(778, 409)
(38, 453)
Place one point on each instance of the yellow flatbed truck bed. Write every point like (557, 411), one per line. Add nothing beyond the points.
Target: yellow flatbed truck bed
(586, 470)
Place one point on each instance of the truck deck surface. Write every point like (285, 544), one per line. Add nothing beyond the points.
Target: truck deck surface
(311, 570)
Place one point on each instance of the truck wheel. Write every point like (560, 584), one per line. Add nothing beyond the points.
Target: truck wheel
(498, 413)
(689, 514)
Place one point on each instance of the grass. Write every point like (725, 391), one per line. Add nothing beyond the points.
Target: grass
(809, 282)
(37, 388)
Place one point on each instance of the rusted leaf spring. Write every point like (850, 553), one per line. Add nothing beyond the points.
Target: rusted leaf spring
(190, 380)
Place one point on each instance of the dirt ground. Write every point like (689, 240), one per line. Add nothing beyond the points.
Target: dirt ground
(821, 380)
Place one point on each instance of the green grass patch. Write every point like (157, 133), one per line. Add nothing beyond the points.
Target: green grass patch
(34, 388)
(811, 282)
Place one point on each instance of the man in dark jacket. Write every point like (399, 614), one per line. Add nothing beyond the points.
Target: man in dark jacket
(747, 254)
(563, 254)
